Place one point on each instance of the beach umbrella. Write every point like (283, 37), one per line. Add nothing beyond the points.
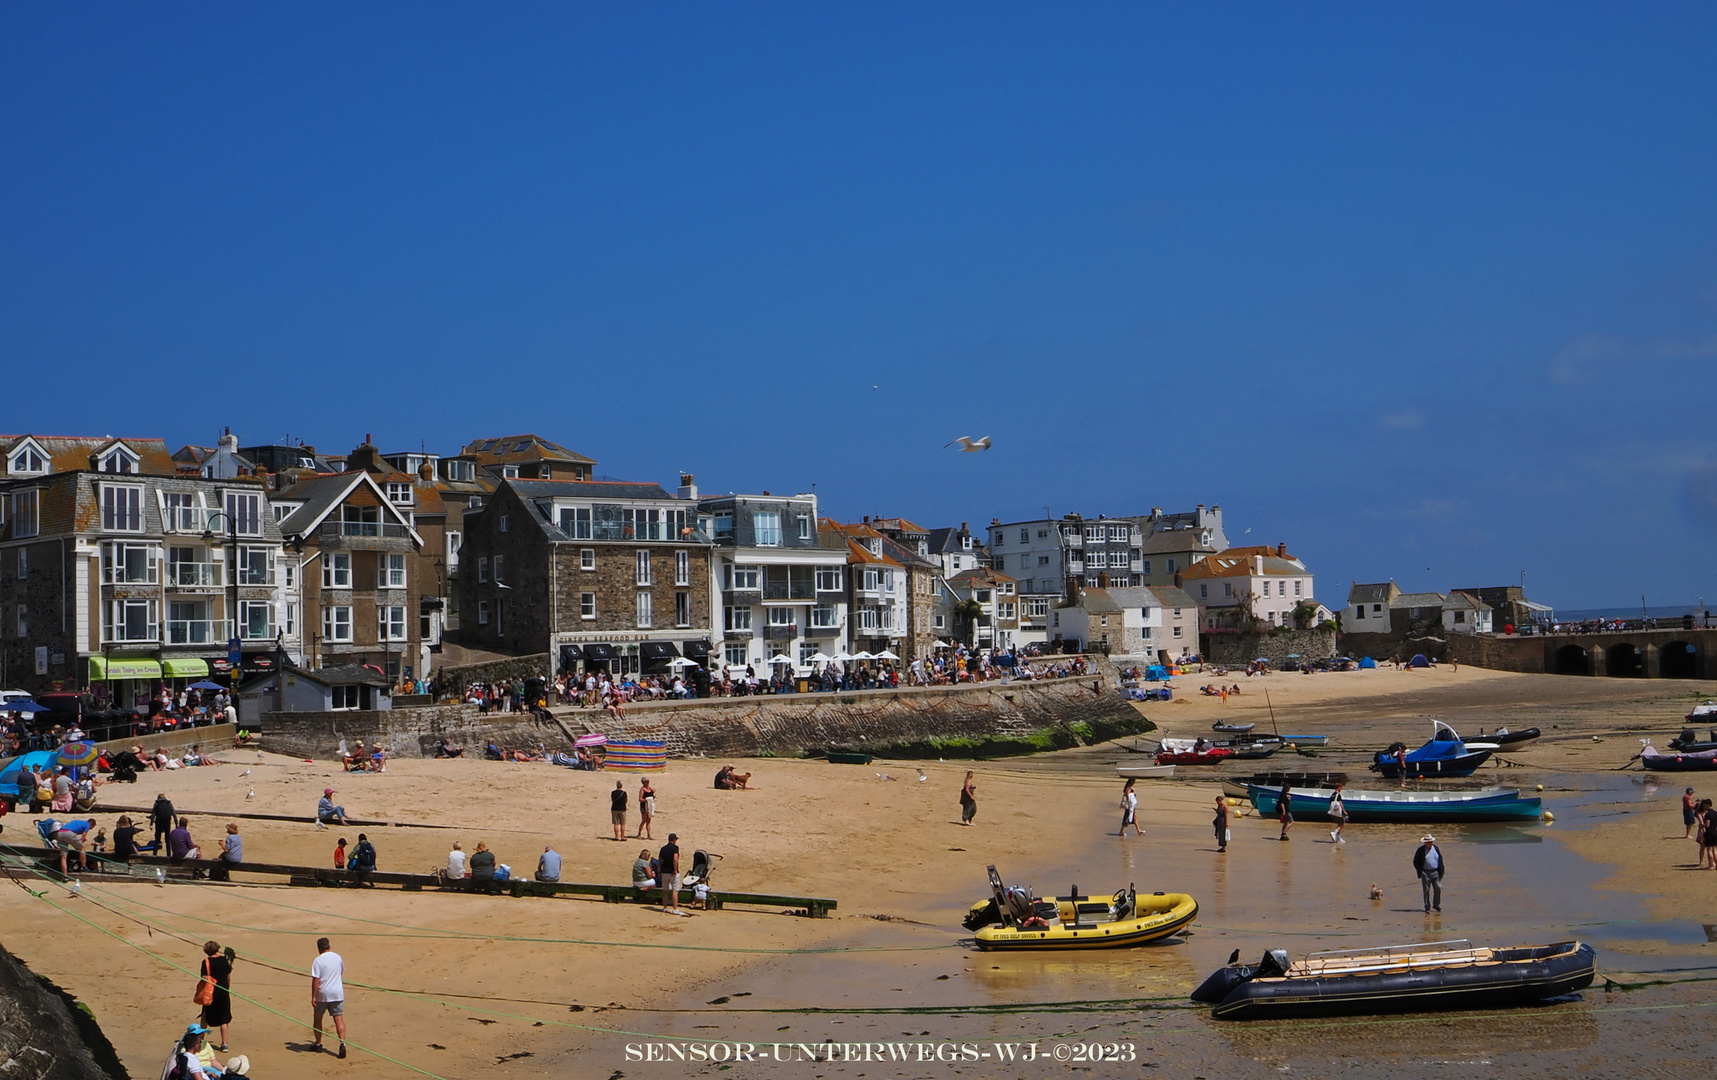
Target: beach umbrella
(680, 661)
(863, 656)
(841, 657)
(886, 655)
(77, 753)
(24, 705)
(207, 685)
(780, 658)
(819, 657)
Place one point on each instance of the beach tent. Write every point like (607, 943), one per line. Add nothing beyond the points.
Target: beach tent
(638, 755)
(1156, 673)
(1418, 661)
(1367, 664)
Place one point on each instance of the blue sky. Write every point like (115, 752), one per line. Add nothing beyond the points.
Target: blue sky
(1427, 294)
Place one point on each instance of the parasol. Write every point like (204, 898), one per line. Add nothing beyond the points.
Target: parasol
(77, 753)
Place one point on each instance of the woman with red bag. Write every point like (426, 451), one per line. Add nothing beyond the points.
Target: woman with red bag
(212, 990)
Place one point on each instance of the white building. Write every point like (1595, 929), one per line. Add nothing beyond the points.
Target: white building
(1261, 582)
(777, 589)
(1127, 623)
(1464, 613)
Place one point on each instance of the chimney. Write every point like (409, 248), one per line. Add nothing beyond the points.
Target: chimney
(1177, 581)
(426, 473)
(867, 519)
(1281, 551)
(688, 486)
(1258, 565)
(365, 458)
(994, 522)
(965, 527)
(1200, 509)
(229, 442)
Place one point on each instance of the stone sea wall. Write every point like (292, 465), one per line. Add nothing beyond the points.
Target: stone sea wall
(1238, 649)
(45, 1034)
(784, 724)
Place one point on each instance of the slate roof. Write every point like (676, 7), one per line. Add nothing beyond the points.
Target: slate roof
(1116, 599)
(518, 449)
(69, 453)
(1170, 597)
(1371, 594)
(1175, 540)
(1417, 599)
(591, 489)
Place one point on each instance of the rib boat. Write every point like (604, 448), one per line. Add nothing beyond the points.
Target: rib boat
(1446, 754)
(1401, 978)
(1012, 919)
(1657, 761)
(1416, 807)
(1144, 772)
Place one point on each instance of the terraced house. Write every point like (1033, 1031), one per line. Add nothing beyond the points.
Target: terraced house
(119, 573)
(780, 589)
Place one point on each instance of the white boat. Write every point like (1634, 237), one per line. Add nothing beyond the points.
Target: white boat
(1144, 772)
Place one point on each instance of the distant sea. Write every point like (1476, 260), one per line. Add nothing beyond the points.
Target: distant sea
(1671, 612)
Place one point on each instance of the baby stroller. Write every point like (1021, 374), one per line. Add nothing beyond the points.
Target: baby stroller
(701, 868)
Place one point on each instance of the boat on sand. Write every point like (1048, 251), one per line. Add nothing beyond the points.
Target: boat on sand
(1144, 772)
(1403, 807)
(1014, 919)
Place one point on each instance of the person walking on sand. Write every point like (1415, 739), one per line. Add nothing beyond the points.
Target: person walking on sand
(1689, 812)
(1429, 865)
(1338, 814)
(1130, 809)
(646, 809)
(218, 969)
(968, 800)
(617, 809)
(1285, 810)
(1220, 823)
(328, 994)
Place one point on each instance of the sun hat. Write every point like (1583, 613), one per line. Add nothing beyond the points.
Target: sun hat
(327, 791)
(1427, 839)
(239, 1064)
(196, 1029)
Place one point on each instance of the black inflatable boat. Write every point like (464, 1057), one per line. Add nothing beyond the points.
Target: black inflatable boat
(1401, 978)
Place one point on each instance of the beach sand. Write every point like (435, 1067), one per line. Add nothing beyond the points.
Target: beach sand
(459, 986)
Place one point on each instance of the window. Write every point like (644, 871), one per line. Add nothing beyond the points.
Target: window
(587, 559)
(118, 460)
(682, 568)
(453, 539)
(503, 523)
(476, 503)
(337, 570)
(823, 616)
(253, 620)
(766, 529)
(999, 563)
(1298, 586)
(498, 559)
(828, 579)
(510, 472)
(483, 568)
(644, 620)
(255, 566)
(281, 511)
(1227, 588)
(289, 619)
(1007, 588)
(390, 622)
(643, 575)
(1204, 591)
(1103, 620)
(1460, 616)
(343, 697)
(130, 564)
(736, 654)
(1000, 539)
(1025, 536)
(1177, 631)
(1145, 566)
(575, 522)
(337, 623)
(1096, 560)
(23, 620)
(360, 521)
(804, 527)
(587, 605)
(244, 513)
(130, 620)
(1377, 609)
(483, 612)
(399, 494)
(721, 526)
(28, 461)
(1169, 565)
(23, 563)
(983, 596)
(866, 618)
(642, 524)
(744, 577)
(1004, 611)
(1281, 588)
(121, 508)
(1036, 607)
(682, 609)
(181, 512)
(940, 622)
(390, 571)
(736, 618)
(1094, 532)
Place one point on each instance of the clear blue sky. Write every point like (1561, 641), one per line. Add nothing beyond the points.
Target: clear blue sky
(1427, 293)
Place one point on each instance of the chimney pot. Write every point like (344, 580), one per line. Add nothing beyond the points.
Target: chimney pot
(1281, 551)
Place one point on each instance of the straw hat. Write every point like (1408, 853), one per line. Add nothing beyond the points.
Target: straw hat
(239, 1064)
(1427, 839)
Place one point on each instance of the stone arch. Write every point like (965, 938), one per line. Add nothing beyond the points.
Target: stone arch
(1571, 660)
(1678, 660)
(1624, 661)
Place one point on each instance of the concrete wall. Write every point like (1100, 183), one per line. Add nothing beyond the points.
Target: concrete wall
(787, 724)
(1237, 649)
(213, 739)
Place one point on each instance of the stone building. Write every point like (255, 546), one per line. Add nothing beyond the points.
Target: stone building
(119, 574)
(1125, 623)
(996, 623)
(879, 589)
(598, 573)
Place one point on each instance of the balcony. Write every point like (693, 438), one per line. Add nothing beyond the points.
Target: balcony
(194, 575)
(363, 529)
(197, 632)
(737, 635)
(775, 589)
(822, 631)
(781, 633)
(744, 597)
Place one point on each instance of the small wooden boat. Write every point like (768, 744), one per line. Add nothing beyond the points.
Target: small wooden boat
(1403, 807)
(1237, 729)
(844, 756)
(1652, 758)
(1403, 978)
(1012, 919)
(1144, 772)
(1446, 754)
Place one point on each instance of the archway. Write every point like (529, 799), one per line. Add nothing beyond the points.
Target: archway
(1571, 660)
(1624, 662)
(1678, 660)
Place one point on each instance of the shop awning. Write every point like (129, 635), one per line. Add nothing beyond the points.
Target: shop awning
(696, 650)
(103, 668)
(601, 650)
(569, 653)
(658, 650)
(185, 667)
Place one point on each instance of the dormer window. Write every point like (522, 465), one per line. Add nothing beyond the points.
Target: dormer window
(966, 543)
(399, 494)
(28, 460)
(118, 460)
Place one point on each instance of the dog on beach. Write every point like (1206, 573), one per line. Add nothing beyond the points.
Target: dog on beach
(740, 779)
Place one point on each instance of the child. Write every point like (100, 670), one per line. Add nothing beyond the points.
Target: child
(701, 893)
(101, 841)
(340, 854)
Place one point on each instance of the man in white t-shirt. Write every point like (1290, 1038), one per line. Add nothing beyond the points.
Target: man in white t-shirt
(328, 992)
(456, 862)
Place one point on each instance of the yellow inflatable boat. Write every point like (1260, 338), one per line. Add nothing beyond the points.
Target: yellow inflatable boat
(1011, 919)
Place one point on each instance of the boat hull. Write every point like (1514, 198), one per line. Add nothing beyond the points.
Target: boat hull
(1561, 969)
(1453, 765)
(1144, 772)
(1169, 914)
(1189, 757)
(845, 757)
(1404, 808)
(1705, 761)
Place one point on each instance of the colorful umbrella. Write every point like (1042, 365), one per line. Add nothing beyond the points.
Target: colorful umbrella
(77, 753)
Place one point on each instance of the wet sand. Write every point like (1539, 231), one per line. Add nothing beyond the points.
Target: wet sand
(892, 959)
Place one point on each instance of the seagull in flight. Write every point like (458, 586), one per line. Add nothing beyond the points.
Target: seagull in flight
(970, 446)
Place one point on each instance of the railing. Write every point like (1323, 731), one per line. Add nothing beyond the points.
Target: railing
(196, 631)
(363, 528)
(775, 632)
(194, 575)
(249, 576)
(266, 633)
(116, 635)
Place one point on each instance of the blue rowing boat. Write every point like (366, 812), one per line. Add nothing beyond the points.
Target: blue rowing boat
(1403, 807)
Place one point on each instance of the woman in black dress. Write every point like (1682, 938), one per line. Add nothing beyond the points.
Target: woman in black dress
(218, 1013)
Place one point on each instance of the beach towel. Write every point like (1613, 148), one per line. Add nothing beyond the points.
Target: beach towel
(596, 739)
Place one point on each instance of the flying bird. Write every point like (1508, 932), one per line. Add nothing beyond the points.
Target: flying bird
(969, 446)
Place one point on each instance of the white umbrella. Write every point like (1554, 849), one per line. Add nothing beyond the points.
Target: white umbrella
(780, 658)
(886, 655)
(680, 661)
(819, 657)
(863, 656)
(841, 657)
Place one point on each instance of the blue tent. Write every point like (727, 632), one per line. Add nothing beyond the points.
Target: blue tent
(1418, 661)
(1156, 673)
(1367, 664)
(41, 759)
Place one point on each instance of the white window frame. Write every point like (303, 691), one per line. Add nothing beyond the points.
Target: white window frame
(495, 570)
(113, 560)
(746, 578)
(112, 612)
(483, 569)
(828, 579)
(390, 622)
(336, 570)
(333, 624)
(587, 605)
(783, 616)
(646, 616)
(242, 629)
(26, 513)
(766, 528)
(345, 697)
(482, 613)
(28, 460)
(805, 527)
(400, 494)
(682, 608)
(825, 617)
(682, 567)
(587, 558)
(736, 617)
(244, 512)
(126, 460)
(388, 575)
(644, 575)
(241, 569)
(122, 508)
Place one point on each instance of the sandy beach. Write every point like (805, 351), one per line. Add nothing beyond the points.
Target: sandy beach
(457, 986)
